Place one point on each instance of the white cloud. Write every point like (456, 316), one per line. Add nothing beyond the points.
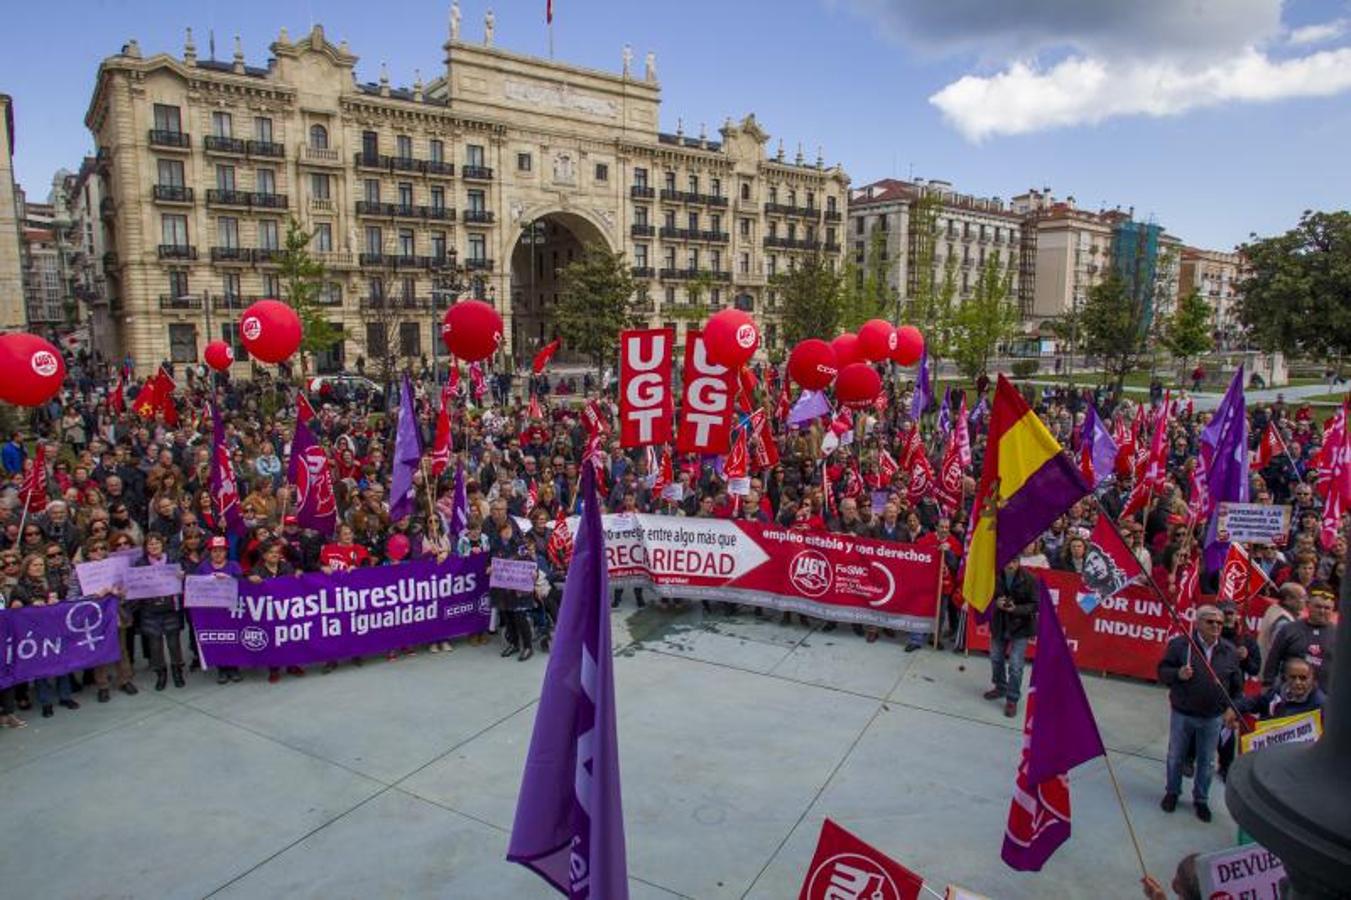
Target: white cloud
(1081, 90)
(1319, 34)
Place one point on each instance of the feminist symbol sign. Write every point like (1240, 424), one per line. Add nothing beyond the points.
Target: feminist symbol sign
(86, 618)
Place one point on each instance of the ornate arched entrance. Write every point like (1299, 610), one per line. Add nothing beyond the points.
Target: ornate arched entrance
(548, 241)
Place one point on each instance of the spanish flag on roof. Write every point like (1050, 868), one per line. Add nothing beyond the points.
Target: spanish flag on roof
(1026, 484)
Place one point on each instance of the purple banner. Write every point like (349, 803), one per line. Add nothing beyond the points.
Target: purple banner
(46, 641)
(305, 619)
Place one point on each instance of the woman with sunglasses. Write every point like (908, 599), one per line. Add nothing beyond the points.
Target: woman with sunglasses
(33, 589)
(95, 549)
(161, 619)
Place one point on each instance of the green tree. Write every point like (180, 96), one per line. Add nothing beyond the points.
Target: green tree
(1188, 330)
(596, 301)
(1298, 295)
(931, 306)
(986, 320)
(302, 278)
(696, 310)
(865, 293)
(1111, 328)
(810, 293)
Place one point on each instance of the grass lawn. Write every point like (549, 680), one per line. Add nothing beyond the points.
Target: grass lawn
(1333, 399)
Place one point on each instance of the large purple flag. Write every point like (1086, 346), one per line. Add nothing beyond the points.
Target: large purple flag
(923, 396)
(569, 824)
(407, 455)
(809, 405)
(224, 486)
(945, 411)
(1059, 733)
(1100, 450)
(309, 473)
(1224, 453)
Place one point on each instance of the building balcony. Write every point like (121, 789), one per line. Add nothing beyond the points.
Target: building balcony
(107, 208)
(269, 149)
(319, 156)
(403, 164)
(177, 251)
(833, 215)
(407, 211)
(784, 209)
(643, 307)
(832, 247)
(714, 237)
(269, 201)
(643, 272)
(641, 230)
(321, 204)
(713, 199)
(641, 192)
(111, 261)
(169, 301)
(328, 298)
(672, 196)
(266, 255)
(228, 146)
(371, 161)
(438, 168)
(674, 234)
(440, 213)
(476, 173)
(227, 302)
(218, 197)
(409, 261)
(332, 259)
(478, 264)
(370, 259)
(231, 254)
(375, 208)
(172, 140)
(171, 193)
(478, 216)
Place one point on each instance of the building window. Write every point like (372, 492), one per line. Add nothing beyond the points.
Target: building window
(792, 231)
(268, 238)
(523, 162)
(174, 230)
(745, 265)
(227, 232)
(323, 237)
(170, 172)
(811, 199)
(669, 297)
(773, 194)
(640, 215)
(882, 223)
(602, 172)
(474, 153)
(271, 285)
(668, 218)
(438, 245)
(168, 118)
(439, 199)
(694, 184)
(221, 124)
(319, 186)
(745, 190)
(408, 289)
(436, 150)
(318, 137)
(693, 220)
(693, 258)
(830, 235)
(858, 225)
(772, 265)
(668, 257)
(266, 182)
(377, 345)
(715, 223)
(715, 187)
(478, 247)
(178, 283)
(372, 190)
(262, 129)
(225, 178)
(403, 146)
(229, 332)
(370, 143)
(405, 194)
(229, 283)
(745, 228)
(830, 204)
(375, 239)
(715, 297)
(639, 177)
(406, 242)
(410, 338)
(476, 201)
(715, 260)
(773, 229)
(182, 343)
(376, 287)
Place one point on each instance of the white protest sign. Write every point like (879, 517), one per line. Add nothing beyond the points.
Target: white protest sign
(1253, 523)
(1304, 728)
(1249, 871)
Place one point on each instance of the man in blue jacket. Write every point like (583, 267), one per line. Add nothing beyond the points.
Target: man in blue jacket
(13, 454)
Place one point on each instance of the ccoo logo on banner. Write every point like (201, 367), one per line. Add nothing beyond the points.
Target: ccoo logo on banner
(645, 402)
(706, 409)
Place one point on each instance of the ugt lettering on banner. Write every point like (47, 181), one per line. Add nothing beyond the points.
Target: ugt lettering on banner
(706, 411)
(645, 401)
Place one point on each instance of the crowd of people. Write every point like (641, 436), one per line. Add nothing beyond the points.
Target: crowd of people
(119, 480)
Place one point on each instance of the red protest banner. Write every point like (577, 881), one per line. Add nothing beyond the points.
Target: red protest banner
(706, 409)
(844, 866)
(1123, 634)
(645, 402)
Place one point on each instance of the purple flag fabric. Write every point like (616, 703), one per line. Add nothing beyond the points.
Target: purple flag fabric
(809, 405)
(569, 825)
(1102, 450)
(1224, 453)
(924, 394)
(310, 475)
(1064, 732)
(407, 455)
(224, 486)
(945, 411)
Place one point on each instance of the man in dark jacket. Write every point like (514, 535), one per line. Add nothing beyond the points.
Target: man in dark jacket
(1198, 701)
(1298, 693)
(1013, 622)
(1311, 640)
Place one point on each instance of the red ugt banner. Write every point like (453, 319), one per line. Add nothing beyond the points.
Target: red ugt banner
(645, 402)
(845, 866)
(706, 410)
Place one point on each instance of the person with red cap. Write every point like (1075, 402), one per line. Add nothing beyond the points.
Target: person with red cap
(219, 564)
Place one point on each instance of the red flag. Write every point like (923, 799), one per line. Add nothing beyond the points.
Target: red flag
(1271, 446)
(737, 459)
(949, 487)
(853, 480)
(665, 475)
(549, 18)
(784, 406)
(1188, 586)
(886, 466)
(1239, 578)
(304, 411)
(532, 495)
(827, 491)
(746, 378)
(453, 379)
(544, 355)
(478, 381)
(534, 411)
(442, 445)
(34, 487)
(157, 396)
(1326, 460)
(117, 400)
(559, 545)
(844, 866)
(963, 433)
(593, 415)
(1198, 495)
(763, 447)
(911, 445)
(1337, 459)
(921, 477)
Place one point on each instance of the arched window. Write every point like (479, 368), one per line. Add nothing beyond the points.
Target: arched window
(318, 137)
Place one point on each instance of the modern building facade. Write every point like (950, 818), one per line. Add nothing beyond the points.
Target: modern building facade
(483, 182)
(1070, 249)
(12, 314)
(967, 231)
(1216, 275)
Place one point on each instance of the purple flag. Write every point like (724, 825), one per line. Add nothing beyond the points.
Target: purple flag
(310, 475)
(1059, 733)
(1100, 450)
(224, 487)
(459, 510)
(407, 455)
(569, 824)
(1224, 453)
(809, 405)
(923, 396)
(945, 411)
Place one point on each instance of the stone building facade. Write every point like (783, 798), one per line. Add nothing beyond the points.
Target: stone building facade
(506, 164)
(1216, 275)
(12, 312)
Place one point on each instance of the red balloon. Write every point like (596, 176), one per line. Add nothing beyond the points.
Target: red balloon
(270, 331)
(812, 364)
(33, 369)
(219, 355)
(846, 349)
(877, 339)
(731, 338)
(909, 345)
(472, 330)
(857, 385)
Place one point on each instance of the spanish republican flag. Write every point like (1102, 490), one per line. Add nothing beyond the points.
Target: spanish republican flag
(1026, 484)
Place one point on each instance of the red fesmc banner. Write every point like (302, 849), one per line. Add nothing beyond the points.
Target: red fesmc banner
(830, 576)
(706, 409)
(1123, 635)
(646, 405)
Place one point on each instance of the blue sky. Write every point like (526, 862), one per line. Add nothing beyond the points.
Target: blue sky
(1216, 117)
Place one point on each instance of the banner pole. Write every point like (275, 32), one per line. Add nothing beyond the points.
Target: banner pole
(1121, 802)
(938, 607)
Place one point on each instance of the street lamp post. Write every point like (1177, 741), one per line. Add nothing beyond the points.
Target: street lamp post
(447, 283)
